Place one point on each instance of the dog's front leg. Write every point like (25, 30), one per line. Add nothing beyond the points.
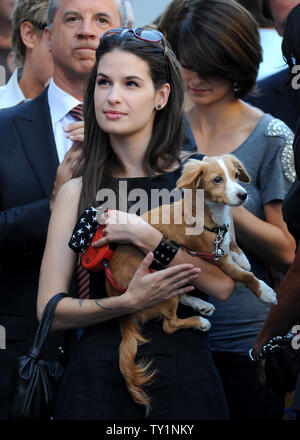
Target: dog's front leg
(198, 304)
(258, 287)
(238, 256)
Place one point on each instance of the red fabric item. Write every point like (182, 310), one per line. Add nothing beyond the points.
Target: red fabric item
(93, 257)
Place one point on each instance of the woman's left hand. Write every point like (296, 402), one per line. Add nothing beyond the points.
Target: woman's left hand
(121, 227)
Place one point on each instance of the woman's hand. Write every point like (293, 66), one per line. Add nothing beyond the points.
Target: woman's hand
(75, 131)
(65, 170)
(148, 289)
(121, 227)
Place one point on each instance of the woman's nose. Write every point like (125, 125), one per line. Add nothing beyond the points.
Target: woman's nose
(114, 95)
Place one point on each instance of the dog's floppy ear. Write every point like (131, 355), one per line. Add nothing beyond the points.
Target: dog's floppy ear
(191, 175)
(243, 175)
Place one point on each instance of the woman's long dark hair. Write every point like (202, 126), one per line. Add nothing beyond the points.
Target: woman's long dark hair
(99, 162)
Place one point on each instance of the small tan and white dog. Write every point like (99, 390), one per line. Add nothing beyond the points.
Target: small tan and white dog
(219, 177)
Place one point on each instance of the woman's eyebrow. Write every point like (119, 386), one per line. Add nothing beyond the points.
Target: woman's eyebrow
(129, 77)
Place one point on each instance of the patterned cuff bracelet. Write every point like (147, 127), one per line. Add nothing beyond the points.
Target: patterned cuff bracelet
(164, 254)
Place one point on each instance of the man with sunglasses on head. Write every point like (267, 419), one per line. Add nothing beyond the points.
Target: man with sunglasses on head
(36, 154)
(31, 56)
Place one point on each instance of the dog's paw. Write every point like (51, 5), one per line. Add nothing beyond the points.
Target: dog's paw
(204, 324)
(201, 306)
(268, 296)
(241, 260)
(205, 308)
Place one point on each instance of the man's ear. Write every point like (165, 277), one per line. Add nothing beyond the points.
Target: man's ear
(28, 34)
(162, 96)
(192, 174)
(47, 34)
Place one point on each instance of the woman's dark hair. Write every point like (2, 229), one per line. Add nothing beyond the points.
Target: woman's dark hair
(99, 162)
(170, 20)
(291, 38)
(219, 38)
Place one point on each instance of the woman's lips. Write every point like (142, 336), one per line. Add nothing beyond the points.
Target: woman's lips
(197, 91)
(113, 115)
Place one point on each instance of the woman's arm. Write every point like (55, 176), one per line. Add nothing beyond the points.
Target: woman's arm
(145, 290)
(267, 240)
(212, 280)
(287, 312)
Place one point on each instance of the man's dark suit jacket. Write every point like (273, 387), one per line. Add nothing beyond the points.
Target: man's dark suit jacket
(28, 163)
(278, 98)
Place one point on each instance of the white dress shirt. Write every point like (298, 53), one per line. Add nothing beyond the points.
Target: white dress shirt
(11, 94)
(60, 104)
(272, 53)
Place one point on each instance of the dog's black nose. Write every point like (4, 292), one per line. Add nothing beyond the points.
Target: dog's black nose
(242, 195)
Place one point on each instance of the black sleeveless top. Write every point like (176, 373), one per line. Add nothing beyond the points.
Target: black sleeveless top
(187, 385)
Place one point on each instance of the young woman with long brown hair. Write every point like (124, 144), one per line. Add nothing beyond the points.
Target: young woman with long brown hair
(133, 126)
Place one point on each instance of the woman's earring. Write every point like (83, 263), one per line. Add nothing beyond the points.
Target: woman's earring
(236, 87)
(158, 107)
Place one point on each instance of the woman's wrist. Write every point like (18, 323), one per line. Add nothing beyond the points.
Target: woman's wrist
(125, 304)
(149, 240)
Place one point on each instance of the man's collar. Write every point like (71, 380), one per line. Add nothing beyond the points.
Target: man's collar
(11, 94)
(60, 102)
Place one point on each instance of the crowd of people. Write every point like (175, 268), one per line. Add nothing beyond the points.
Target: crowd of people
(93, 102)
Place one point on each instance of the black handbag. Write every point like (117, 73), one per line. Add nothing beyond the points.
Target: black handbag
(35, 381)
(282, 364)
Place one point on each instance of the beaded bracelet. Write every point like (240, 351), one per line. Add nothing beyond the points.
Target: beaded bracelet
(164, 254)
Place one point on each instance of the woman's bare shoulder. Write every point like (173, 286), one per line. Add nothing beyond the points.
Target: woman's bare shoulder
(70, 191)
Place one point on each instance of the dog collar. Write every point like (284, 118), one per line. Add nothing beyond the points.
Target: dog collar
(219, 230)
(218, 252)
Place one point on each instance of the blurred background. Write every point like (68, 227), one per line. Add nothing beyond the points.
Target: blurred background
(146, 11)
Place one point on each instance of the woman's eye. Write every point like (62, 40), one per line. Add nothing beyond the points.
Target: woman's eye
(132, 84)
(103, 82)
(218, 180)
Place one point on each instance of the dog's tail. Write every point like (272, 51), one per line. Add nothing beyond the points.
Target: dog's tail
(138, 374)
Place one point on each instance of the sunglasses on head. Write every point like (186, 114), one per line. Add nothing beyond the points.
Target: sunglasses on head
(144, 34)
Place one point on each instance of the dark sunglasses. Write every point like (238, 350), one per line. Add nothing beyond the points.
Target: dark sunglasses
(144, 34)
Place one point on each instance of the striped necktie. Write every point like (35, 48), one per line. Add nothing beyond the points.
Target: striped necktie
(82, 275)
(77, 112)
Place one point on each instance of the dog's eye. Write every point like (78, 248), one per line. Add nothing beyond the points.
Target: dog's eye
(236, 175)
(218, 180)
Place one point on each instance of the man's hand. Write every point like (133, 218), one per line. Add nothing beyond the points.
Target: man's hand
(65, 170)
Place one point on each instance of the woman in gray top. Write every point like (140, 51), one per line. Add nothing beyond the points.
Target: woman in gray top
(218, 46)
